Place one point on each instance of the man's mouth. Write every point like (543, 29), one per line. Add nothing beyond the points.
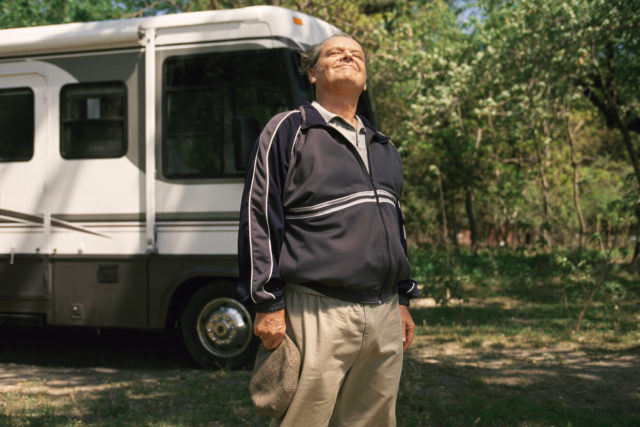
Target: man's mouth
(347, 65)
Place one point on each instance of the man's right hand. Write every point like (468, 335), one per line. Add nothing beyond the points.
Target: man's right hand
(270, 328)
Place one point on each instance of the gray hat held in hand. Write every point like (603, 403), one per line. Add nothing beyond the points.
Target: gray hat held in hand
(275, 378)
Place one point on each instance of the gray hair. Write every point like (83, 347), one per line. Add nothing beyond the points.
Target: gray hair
(309, 58)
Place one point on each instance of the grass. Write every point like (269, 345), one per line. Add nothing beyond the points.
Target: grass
(505, 353)
(483, 365)
(191, 397)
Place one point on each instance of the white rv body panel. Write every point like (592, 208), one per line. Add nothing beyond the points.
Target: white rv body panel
(255, 22)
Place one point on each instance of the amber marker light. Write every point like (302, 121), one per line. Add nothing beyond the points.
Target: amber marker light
(297, 21)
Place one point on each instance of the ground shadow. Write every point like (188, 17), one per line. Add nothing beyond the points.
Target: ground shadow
(486, 390)
(450, 379)
(89, 347)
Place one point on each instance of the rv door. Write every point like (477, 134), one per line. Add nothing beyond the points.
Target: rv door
(24, 199)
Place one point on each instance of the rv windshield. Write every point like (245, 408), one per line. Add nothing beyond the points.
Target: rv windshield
(207, 95)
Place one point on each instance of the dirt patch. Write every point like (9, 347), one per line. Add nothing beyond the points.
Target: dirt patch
(516, 366)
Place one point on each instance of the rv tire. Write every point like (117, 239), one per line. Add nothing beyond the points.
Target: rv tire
(217, 329)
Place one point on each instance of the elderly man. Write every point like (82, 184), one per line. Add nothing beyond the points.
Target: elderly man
(322, 248)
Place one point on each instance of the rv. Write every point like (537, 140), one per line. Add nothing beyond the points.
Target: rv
(123, 149)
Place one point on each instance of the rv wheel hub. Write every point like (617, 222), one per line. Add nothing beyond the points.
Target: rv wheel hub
(223, 327)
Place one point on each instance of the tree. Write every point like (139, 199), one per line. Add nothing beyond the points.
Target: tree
(576, 46)
(25, 13)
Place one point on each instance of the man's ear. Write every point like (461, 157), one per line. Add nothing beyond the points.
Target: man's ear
(312, 76)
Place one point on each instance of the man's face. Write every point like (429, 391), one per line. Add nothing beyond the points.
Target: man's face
(341, 62)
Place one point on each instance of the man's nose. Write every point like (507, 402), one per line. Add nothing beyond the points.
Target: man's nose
(347, 55)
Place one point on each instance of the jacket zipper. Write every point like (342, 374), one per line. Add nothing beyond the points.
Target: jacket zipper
(384, 224)
(375, 192)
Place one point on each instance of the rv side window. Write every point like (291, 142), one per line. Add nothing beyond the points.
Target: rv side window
(216, 103)
(16, 124)
(93, 120)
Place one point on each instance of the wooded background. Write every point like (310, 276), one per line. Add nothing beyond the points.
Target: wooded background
(518, 120)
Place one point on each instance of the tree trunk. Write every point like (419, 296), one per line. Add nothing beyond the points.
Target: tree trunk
(626, 136)
(608, 106)
(468, 204)
(576, 180)
(443, 212)
(546, 204)
(635, 260)
(468, 169)
(454, 222)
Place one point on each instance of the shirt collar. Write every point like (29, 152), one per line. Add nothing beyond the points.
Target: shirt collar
(329, 117)
(311, 117)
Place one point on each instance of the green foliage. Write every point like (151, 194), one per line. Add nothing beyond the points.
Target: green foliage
(25, 13)
(534, 276)
(490, 106)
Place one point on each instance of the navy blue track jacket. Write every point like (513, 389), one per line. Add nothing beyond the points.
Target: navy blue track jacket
(312, 215)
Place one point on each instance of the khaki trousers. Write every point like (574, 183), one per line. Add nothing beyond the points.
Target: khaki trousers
(351, 361)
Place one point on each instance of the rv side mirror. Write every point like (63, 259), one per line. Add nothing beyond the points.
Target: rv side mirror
(245, 132)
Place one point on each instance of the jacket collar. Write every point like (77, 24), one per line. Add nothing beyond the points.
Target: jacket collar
(312, 117)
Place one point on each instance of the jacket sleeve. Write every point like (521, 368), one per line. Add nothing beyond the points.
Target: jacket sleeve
(407, 289)
(261, 227)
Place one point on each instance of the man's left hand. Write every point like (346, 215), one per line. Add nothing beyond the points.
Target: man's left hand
(407, 327)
